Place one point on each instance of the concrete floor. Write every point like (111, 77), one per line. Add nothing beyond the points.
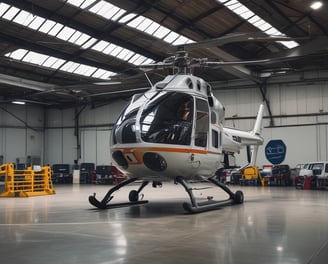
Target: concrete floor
(274, 225)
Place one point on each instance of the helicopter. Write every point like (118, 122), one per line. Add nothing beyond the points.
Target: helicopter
(175, 130)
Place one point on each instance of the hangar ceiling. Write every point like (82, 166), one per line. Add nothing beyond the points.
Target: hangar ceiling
(62, 53)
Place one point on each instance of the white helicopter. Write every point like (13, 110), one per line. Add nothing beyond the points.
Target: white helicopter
(174, 131)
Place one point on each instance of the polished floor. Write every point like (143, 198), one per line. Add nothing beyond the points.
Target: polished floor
(274, 225)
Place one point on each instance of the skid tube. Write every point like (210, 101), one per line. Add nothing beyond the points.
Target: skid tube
(194, 207)
(133, 196)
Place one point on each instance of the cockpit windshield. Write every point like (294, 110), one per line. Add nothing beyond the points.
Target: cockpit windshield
(165, 118)
(168, 119)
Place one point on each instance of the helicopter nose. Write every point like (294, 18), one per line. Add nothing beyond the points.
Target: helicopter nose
(154, 161)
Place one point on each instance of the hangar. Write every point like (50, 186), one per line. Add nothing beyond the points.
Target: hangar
(67, 68)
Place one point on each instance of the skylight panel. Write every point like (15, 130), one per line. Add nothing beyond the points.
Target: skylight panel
(116, 51)
(247, 14)
(148, 61)
(118, 14)
(35, 58)
(49, 62)
(36, 22)
(134, 58)
(75, 36)
(70, 66)
(98, 7)
(136, 22)
(265, 26)
(11, 13)
(66, 33)
(47, 26)
(109, 49)
(241, 10)
(161, 32)
(81, 3)
(3, 8)
(182, 40)
(152, 28)
(171, 37)
(107, 10)
(102, 74)
(89, 43)
(127, 18)
(23, 18)
(254, 19)
(85, 70)
(125, 54)
(82, 39)
(235, 6)
(140, 60)
(17, 54)
(56, 29)
(101, 45)
(57, 64)
(145, 24)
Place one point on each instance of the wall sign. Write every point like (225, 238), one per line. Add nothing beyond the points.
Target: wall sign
(275, 151)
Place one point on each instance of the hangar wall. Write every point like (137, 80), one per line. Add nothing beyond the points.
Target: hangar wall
(21, 132)
(299, 110)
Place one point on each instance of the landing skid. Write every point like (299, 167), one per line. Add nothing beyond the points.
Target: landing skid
(194, 207)
(133, 196)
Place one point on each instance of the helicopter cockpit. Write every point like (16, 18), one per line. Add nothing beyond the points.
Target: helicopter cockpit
(164, 117)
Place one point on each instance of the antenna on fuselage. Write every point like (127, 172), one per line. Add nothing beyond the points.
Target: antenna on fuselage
(151, 84)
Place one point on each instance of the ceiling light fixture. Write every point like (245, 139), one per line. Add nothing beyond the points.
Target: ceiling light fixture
(18, 102)
(316, 5)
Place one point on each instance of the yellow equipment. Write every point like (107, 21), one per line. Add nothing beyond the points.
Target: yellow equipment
(252, 174)
(25, 183)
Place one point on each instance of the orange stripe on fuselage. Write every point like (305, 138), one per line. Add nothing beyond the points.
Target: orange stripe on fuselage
(166, 149)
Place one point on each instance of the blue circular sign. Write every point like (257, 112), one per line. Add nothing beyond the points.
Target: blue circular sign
(275, 151)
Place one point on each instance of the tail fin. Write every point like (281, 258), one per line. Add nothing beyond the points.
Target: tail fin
(256, 131)
(258, 123)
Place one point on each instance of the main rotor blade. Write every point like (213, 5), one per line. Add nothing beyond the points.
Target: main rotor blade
(238, 37)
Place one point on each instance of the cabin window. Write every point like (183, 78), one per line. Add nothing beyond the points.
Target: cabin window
(216, 139)
(198, 85)
(124, 130)
(213, 117)
(168, 119)
(202, 123)
(189, 83)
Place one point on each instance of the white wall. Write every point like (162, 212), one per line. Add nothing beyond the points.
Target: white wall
(21, 131)
(94, 134)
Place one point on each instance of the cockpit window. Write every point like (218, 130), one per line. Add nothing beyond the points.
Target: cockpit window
(168, 119)
(125, 131)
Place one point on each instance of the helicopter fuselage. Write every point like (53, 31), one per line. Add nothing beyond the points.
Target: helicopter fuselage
(175, 129)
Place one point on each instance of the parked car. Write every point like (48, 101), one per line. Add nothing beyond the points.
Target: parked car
(313, 175)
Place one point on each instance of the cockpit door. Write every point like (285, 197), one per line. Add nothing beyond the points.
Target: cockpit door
(201, 123)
